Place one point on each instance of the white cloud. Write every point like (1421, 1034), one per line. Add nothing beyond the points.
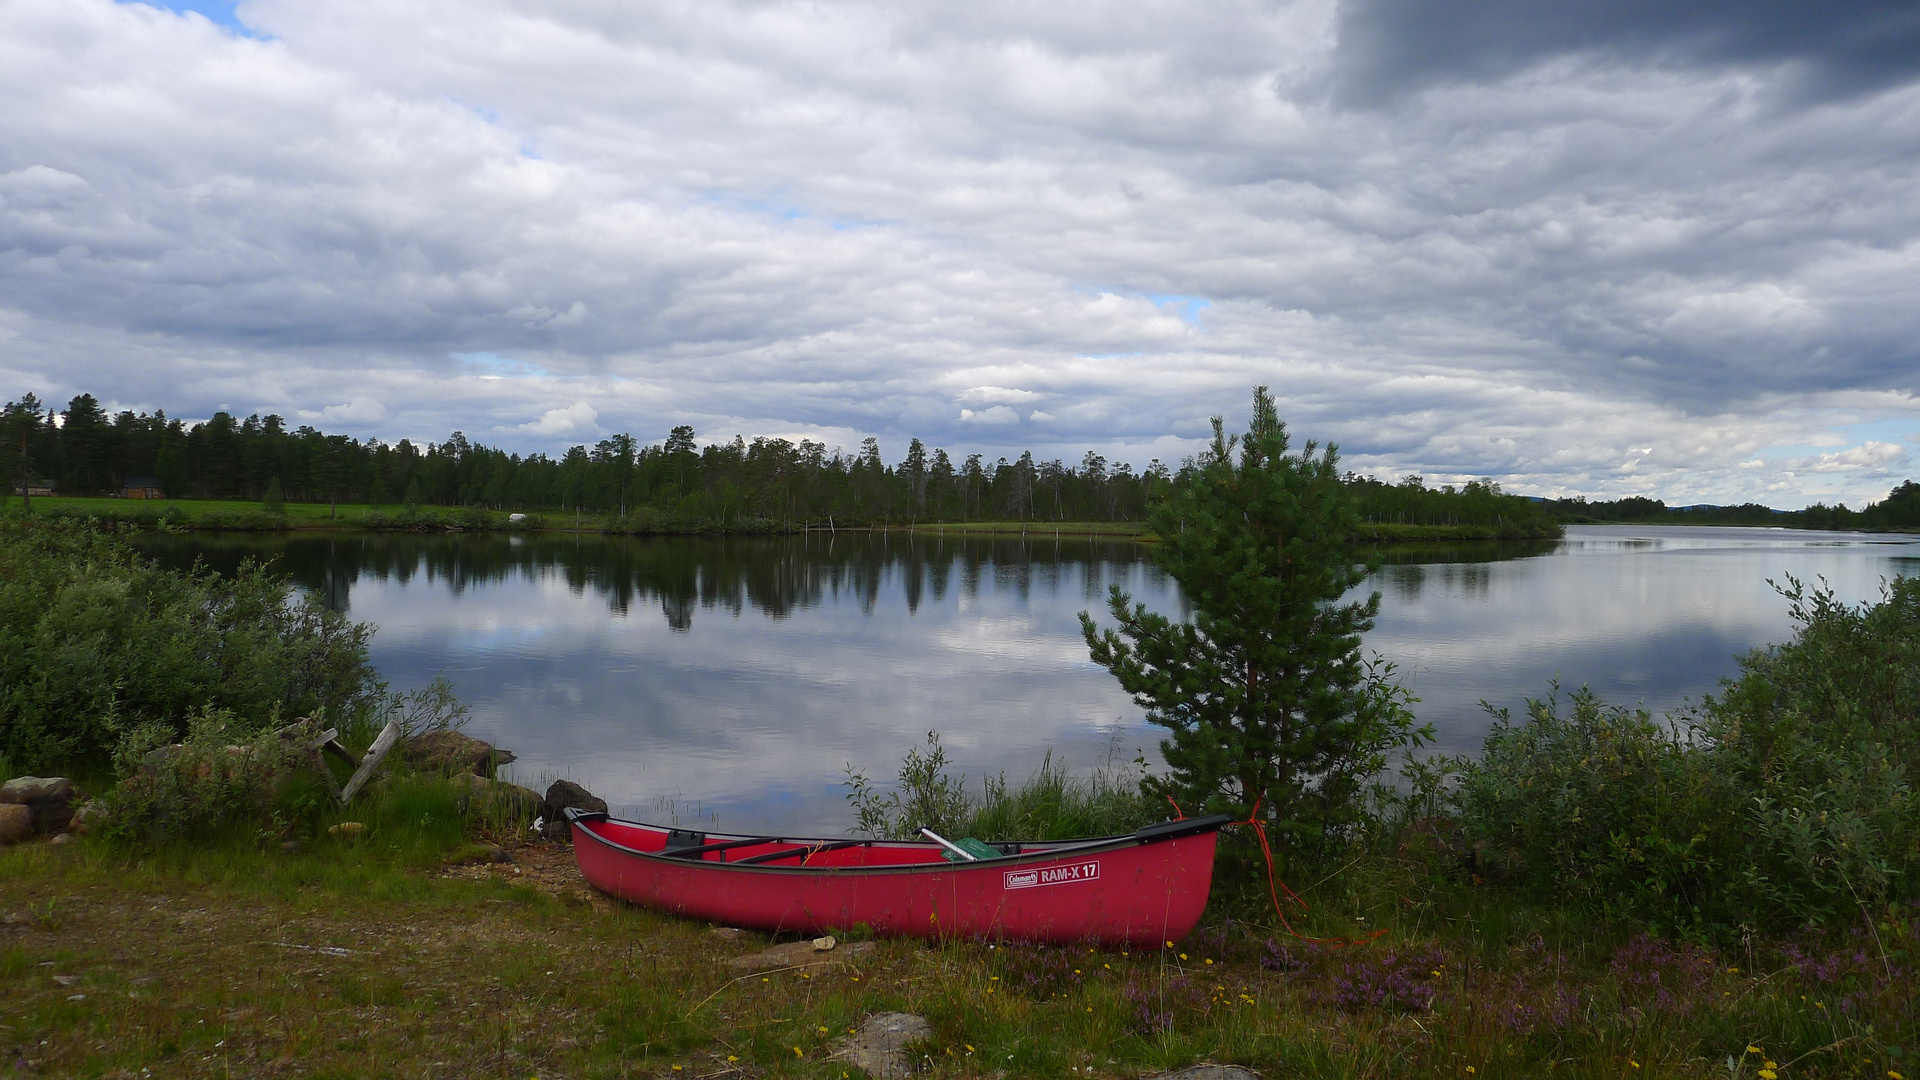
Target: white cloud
(1875, 457)
(999, 414)
(359, 412)
(996, 395)
(859, 218)
(576, 419)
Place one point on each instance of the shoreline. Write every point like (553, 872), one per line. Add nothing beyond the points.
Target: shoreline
(212, 516)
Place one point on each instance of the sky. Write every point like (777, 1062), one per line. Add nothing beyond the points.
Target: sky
(1597, 247)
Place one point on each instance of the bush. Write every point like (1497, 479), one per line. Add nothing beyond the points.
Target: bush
(1593, 801)
(208, 782)
(1786, 799)
(96, 641)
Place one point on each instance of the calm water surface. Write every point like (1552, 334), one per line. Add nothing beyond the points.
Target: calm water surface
(736, 680)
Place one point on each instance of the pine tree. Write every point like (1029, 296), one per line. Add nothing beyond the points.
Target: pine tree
(276, 502)
(1264, 694)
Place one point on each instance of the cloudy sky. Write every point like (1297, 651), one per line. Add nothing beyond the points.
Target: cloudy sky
(1596, 247)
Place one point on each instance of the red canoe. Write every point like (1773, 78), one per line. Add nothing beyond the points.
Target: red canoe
(1139, 889)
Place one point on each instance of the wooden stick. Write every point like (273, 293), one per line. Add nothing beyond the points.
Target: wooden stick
(388, 736)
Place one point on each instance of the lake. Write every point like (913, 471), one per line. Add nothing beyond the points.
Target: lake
(734, 681)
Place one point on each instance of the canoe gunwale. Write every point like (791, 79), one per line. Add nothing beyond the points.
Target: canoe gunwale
(581, 821)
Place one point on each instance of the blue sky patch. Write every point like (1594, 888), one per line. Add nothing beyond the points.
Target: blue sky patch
(1188, 308)
(223, 13)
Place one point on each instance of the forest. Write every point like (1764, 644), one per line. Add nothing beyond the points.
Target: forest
(82, 450)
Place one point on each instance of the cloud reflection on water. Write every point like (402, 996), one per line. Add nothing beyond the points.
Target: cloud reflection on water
(741, 677)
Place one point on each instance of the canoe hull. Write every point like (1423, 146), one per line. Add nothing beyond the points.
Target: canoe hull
(1118, 892)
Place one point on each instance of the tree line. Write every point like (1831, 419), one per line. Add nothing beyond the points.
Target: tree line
(1899, 511)
(84, 450)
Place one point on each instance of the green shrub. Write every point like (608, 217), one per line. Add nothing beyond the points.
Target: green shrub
(208, 782)
(96, 640)
(1597, 803)
(1786, 799)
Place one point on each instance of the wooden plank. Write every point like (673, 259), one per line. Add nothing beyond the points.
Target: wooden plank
(375, 753)
(332, 746)
(326, 770)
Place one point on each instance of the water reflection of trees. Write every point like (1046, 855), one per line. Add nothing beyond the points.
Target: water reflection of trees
(775, 576)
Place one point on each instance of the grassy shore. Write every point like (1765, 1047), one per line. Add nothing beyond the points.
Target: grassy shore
(345, 960)
(241, 516)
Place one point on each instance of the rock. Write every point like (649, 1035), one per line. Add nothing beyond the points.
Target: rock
(16, 823)
(503, 802)
(452, 752)
(1207, 1072)
(880, 1046)
(560, 795)
(290, 847)
(798, 955)
(61, 838)
(90, 814)
(346, 830)
(50, 798)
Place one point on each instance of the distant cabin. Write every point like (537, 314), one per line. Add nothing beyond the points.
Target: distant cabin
(141, 487)
(34, 491)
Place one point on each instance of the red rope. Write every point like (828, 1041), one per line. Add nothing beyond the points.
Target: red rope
(1275, 887)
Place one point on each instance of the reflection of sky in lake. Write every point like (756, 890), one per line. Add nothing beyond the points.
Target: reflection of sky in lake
(740, 678)
(1651, 615)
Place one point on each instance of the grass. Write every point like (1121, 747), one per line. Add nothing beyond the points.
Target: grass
(297, 514)
(399, 956)
(242, 515)
(1041, 530)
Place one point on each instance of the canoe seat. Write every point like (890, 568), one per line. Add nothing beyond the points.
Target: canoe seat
(979, 849)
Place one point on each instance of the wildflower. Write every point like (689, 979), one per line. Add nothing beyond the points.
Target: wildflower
(1768, 1074)
(731, 1058)
(823, 1031)
(1751, 1049)
(1183, 956)
(798, 1053)
(1471, 1070)
(1633, 1063)
(1895, 1075)
(969, 1047)
(1169, 944)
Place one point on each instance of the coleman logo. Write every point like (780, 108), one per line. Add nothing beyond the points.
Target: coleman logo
(1053, 875)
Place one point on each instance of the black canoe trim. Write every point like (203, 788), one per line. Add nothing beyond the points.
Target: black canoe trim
(1026, 852)
(1170, 830)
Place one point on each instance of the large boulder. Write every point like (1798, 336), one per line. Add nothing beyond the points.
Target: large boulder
(16, 823)
(49, 799)
(451, 752)
(560, 795)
